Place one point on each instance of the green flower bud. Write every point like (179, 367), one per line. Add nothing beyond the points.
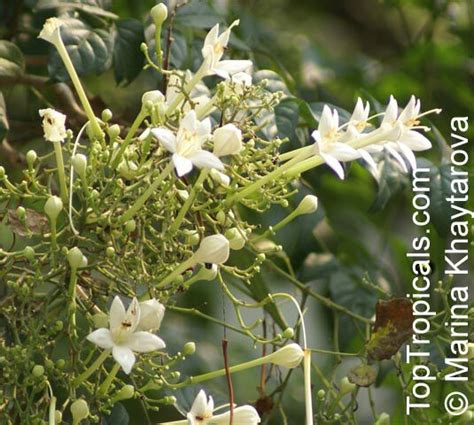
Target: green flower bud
(29, 253)
(127, 169)
(2, 173)
(321, 394)
(308, 205)
(31, 158)
(75, 258)
(113, 131)
(110, 252)
(170, 399)
(79, 162)
(236, 238)
(106, 115)
(59, 325)
(345, 386)
(21, 213)
(79, 411)
(60, 363)
(383, 419)
(125, 393)
(189, 348)
(159, 13)
(37, 371)
(221, 217)
(53, 207)
(213, 249)
(130, 226)
(58, 416)
(288, 333)
(192, 238)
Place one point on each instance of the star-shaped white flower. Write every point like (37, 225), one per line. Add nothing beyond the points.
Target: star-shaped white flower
(328, 144)
(409, 140)
(123, 336)
(186, 145)
(213, 50)
(53, 125)
(202, 413)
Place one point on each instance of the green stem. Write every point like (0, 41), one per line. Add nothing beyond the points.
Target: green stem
(176, 272)
(110, 377)
(52, 412)
(184, 209)
(58, 151)
(245, 192)
(145, 195)
(290, 217)
(159, 52)
(128, 138)
(72, 300)
(79, 89)
(91, 369)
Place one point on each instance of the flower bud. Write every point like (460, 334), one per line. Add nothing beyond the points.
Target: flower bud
(113, 131)
(221, 217)
(345, 386)
(29, 253)
(21, 213)
(321, 394)
(288, 333)
(220, 178)
(227, 140)
(53, 125)
(154, 97)
(128, 169)
(289, 356)
(79, 162)
(308, 205)
(130, 226)
(213, 249)
(106, 115)
(207, 273)
(159, 13)
(75, 258)
(183, 194)
(53, 207)
(189, 348)
(58, 417)
(38, 370)
(125, 393)
(31, 158)
(110, 252)
(383, 419)
(79, 410)
(192, 237)
(236, 238)
(151, 315)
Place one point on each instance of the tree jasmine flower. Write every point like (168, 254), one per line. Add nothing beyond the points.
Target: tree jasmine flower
(328, 144)
(213, 50)
(151, 315)
(123, 336)
(53, 125)
(186, 145)
(202, 413)
(227, 140)
(213, 250)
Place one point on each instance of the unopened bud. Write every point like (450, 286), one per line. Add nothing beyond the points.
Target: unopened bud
(75, 258)
(189, 348)
(236, 238)
(53, 207)
(288, 333)
(79, 162)
(21, 213)
(345, 386)
(213, 249)
(79, 410)
(159, 13)
(31, 158)
(207, 273)
(113, 131)
(106, 115)
(289, 356)
(308, 205)
(125, 393)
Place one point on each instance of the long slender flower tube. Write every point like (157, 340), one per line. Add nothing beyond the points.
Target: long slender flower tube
(123, 336)
(55, 132)
(186, 145)
(52, 34)
(213, 50)
(202, 412)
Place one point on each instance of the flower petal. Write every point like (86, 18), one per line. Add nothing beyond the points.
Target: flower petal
(243, 415)
(327, 122)
(199, 407)
(182, 165)
(189, 121)
(408, 154)
(232, 66)
(343, 152)
(102, 338)
(415, 141)
(133, 315)
(334, 164)
(124, 357)
(205, 159)
(144, 342)
(397, 156)
(166, 138)
(391, 113)
(117, 313)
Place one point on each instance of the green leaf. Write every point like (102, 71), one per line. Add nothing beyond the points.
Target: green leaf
(3, 118)
(392, 181)
(118, 416)
(440, 190)
(92, 7)
(128, 58)
(12, 62)
(90, 49)
(274, 81)
(287, 117)
(179, 50)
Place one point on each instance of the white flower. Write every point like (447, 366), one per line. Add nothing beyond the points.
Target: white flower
(289, 356)
(360, 115)
(328, 144)
(186, 145)
(151, 315)
(227, 140)
(213, 249)
(409, 139)
(213, 50)
(159, 13)
(201, 413)
(153, 96)
(123, 337)
(53, 125)
(51, 31)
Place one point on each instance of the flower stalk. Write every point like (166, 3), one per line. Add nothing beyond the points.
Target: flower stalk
(58, 152)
